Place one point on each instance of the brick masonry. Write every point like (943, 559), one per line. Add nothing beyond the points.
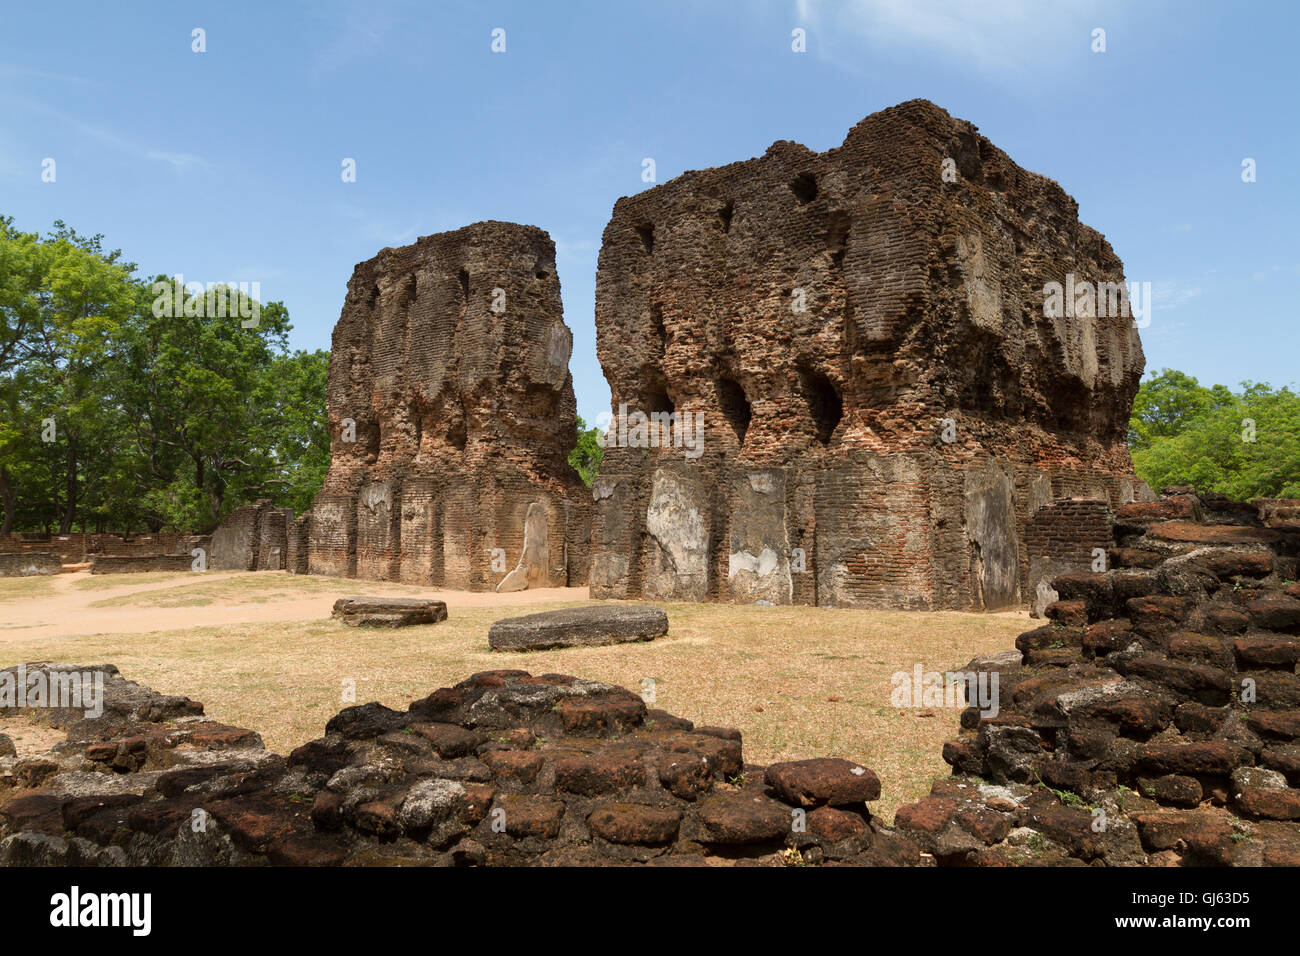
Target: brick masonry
(449, 370)
(825, 477)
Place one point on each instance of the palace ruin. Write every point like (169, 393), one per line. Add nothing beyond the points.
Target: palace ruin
(452, 413)
(890, 419)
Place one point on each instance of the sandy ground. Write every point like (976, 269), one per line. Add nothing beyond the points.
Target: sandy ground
(68, 608)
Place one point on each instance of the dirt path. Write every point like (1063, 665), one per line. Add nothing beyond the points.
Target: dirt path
(66, 610)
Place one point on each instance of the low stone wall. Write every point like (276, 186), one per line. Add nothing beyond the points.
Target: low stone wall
(27, 563)
(1157, 718)
(77, 547)
(133, 563)
(502, 769)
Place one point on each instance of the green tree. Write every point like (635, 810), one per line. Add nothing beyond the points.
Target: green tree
(587, 454)
(168, 411)
(1241, 444)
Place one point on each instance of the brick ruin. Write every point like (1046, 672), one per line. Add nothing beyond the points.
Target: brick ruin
(1162, 700)
(1154, 722)
(884, 406)
(251, 538)
(452, 415)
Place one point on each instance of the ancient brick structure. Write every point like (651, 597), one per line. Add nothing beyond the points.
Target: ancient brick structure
(860, 338)
(78, 547)
(251, 538)
(502, 769)
(1073, 534)
(452, 415)
(25, 563)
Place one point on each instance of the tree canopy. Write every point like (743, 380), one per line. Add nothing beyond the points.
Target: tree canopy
(1243, 444)
(127, 410)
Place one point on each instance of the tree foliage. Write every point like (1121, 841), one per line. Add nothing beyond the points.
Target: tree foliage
(120, 410)
(1243, 444)
(587, 454)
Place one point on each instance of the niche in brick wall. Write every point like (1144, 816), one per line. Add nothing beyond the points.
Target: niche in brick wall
(646, 232)
(658, 333)
(735, 407)
(804, 187)
(825, 407)
(725, 214)
(837, 236)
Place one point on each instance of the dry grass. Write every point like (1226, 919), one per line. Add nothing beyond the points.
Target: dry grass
(798, 682)
(13, 589)
(235, 589)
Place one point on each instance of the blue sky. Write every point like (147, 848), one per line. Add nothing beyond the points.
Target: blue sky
(225, 165)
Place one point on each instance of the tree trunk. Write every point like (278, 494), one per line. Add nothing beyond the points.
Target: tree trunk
(7, 497)
(70, 508)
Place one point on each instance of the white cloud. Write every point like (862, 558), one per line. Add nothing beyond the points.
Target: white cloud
(1172, 293)
(115, 140)
(998, 36)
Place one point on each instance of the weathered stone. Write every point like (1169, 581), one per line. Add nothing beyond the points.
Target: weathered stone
(578, 627)
(930, 815)
(527, 816)
(389, 611)
(743, 817)
(1272, 803)
(632, 823)
(1212, 756)
(824, 781)
(606, 771)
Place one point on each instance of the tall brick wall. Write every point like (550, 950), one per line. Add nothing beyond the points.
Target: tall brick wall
(884, 404)
(449, 370)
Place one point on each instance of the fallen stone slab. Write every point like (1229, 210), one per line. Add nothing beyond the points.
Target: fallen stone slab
(389, 611)
(578, 627)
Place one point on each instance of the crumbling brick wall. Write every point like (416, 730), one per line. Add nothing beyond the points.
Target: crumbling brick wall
(297, 542)
(251, 538)
(1072, 534)
(24, 563)
(1163, 693)
(884, 403)
(452, 415)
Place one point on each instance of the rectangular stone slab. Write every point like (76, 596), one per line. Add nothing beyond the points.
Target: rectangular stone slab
(388, 611)
(578, 627)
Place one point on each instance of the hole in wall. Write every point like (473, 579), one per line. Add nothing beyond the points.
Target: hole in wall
(837, 236)
(657, 325)
(735, 407)
(655, 398)
(825, 406)
(457, 434)
(646, 232)
(804, 187)
(464, 285)
(725, 215)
